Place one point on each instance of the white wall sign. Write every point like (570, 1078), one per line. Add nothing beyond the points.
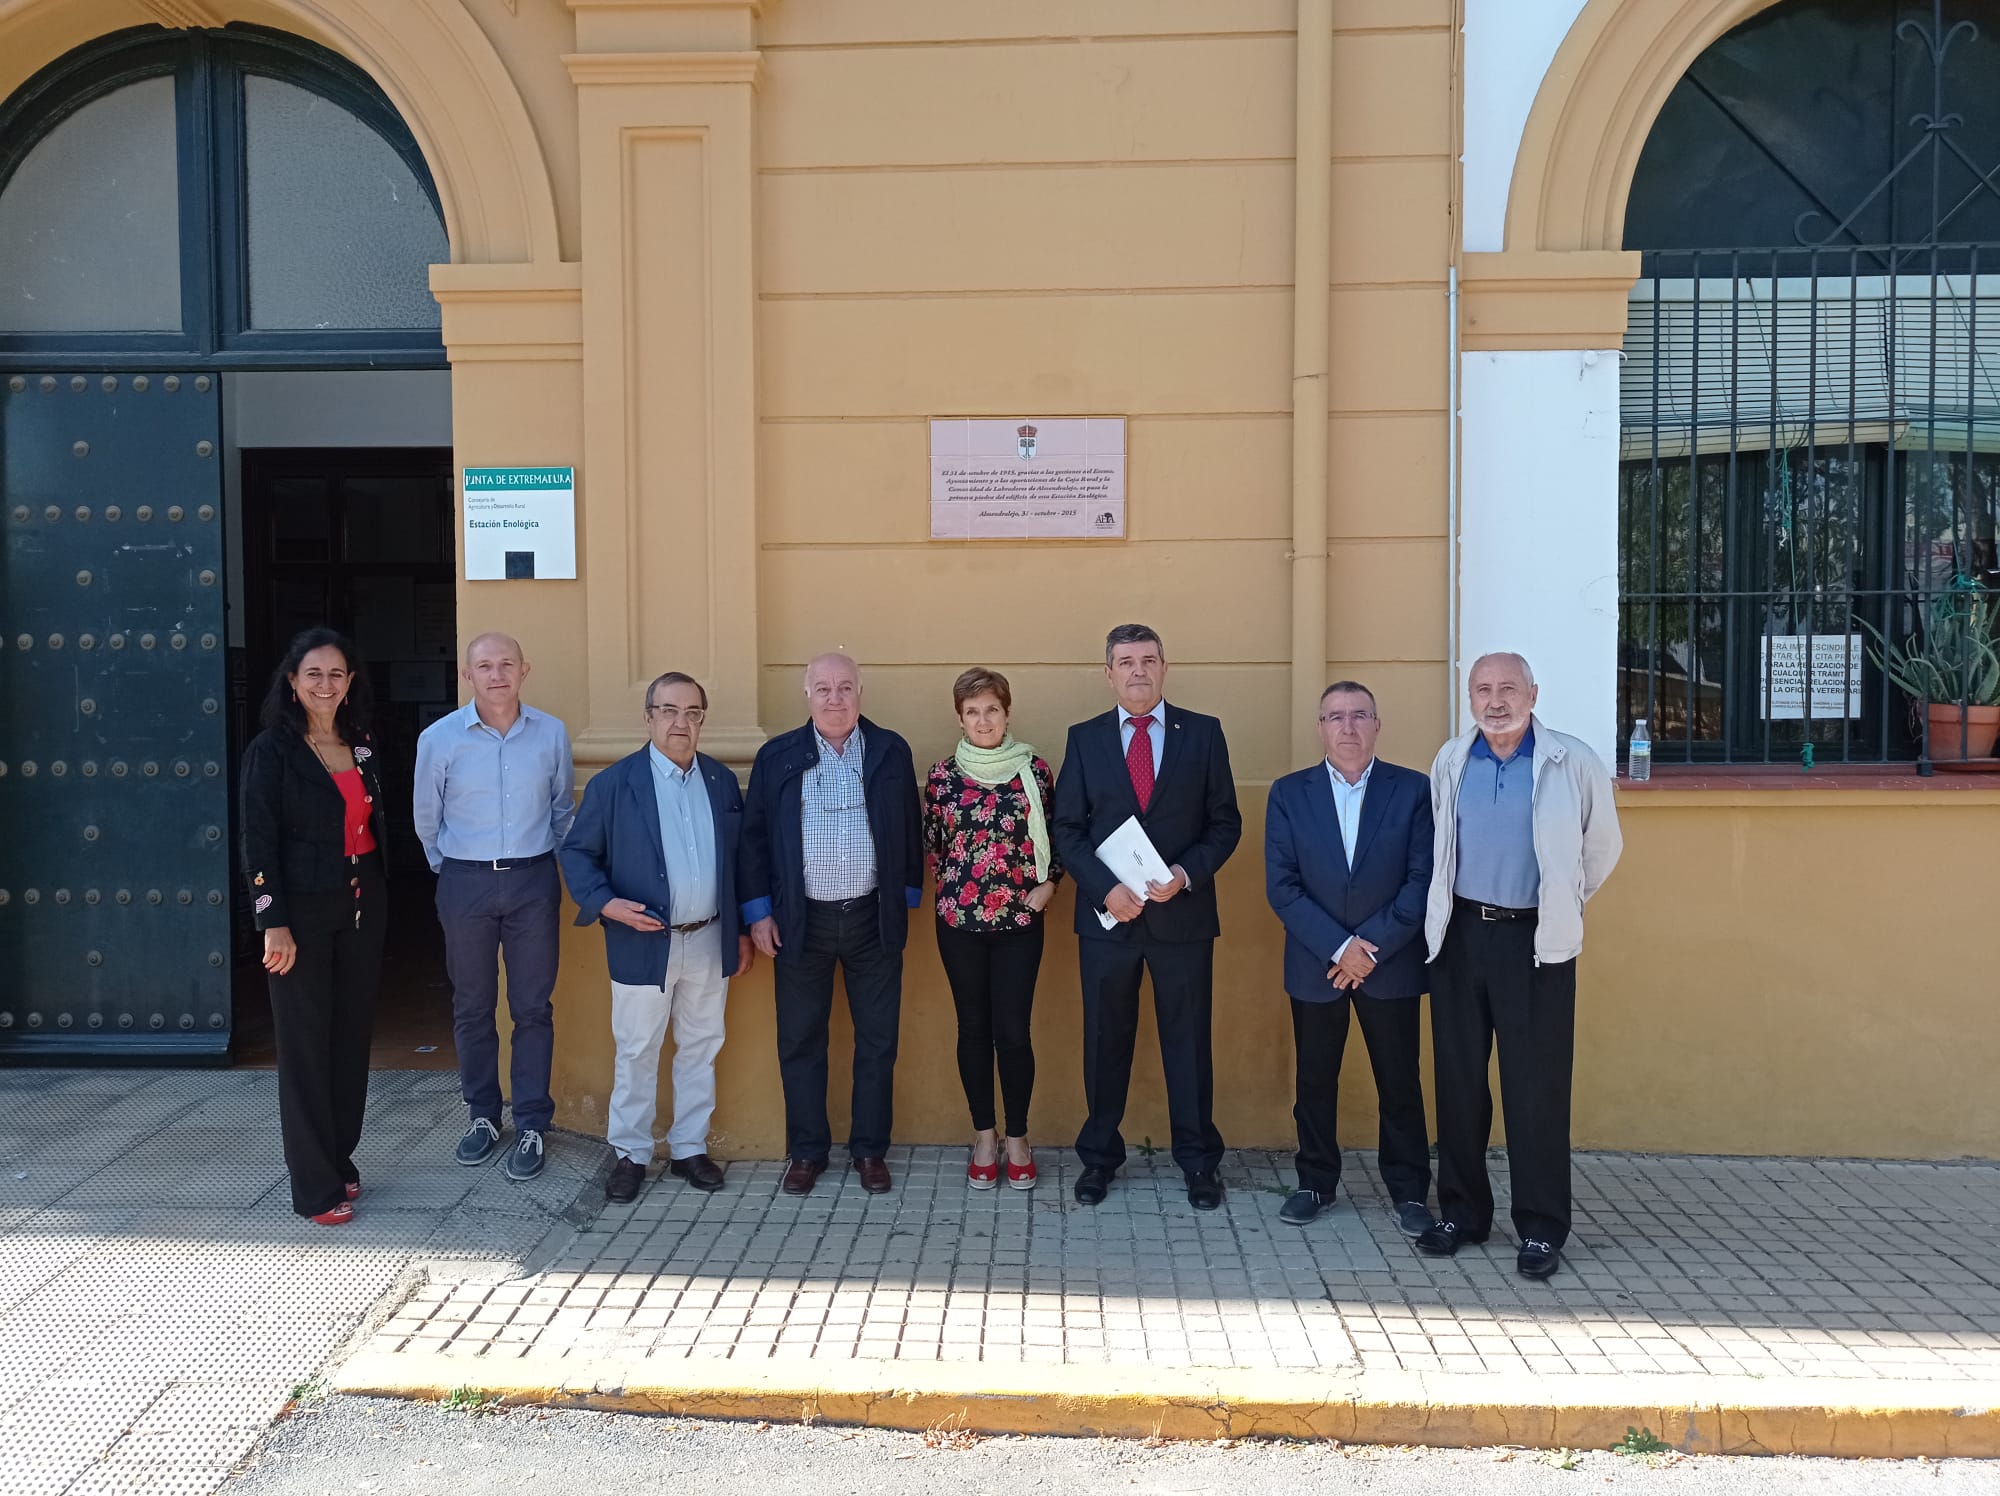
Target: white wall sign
(1031, 477)
(520, 523)
(1836, 658)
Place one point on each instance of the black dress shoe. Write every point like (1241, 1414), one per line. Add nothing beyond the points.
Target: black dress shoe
(627, 1179)
(1537, 1259)
(1445, 1238)
(1302, 1207)
(1204, 1190)
(701, 1171)
(1092, 1184)
(801, 1174)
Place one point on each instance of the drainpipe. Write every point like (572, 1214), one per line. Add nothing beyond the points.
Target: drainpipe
(1452, 696)
(1312, 275)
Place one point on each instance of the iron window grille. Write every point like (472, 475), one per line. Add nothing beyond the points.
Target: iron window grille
(1810, 465)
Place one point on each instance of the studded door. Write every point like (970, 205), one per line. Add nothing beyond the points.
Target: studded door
(114, 800)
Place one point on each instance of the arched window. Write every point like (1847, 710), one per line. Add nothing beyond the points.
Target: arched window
(238, 195)
(1811, 392)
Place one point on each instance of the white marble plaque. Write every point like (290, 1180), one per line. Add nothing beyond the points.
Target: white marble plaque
(1028, 478)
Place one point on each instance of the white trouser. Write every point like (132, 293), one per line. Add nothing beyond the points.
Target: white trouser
(693, 999)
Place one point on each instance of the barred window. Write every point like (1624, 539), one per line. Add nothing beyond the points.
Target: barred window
(1810, 460)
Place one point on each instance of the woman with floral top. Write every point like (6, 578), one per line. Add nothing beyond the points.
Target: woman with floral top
(986, 829)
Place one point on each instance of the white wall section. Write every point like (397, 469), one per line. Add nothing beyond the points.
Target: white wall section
(1509, 45)
(1538, 529)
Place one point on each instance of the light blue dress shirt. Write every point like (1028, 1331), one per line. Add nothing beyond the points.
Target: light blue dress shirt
(1347, 802)
(687, 836)
(833, 812)
(1157, 733)
(481, 797)
(1496, 828)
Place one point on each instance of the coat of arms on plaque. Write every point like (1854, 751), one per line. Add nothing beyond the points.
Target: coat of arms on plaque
(1027, 436)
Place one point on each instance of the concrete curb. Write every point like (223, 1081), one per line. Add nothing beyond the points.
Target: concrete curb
(1697, 1415)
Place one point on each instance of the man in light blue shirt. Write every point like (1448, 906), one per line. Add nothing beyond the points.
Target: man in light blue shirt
(494, 799)
(652, 859)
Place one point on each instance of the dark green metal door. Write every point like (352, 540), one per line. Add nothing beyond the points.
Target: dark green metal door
(114, 800)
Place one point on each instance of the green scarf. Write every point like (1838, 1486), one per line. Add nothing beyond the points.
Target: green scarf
(1011, 760)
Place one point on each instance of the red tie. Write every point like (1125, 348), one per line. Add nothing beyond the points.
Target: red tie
(1139, 760)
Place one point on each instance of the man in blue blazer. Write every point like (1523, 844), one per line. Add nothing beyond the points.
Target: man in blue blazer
(652, 858)
(1347, 867)
(833, 863)
(1170, 769)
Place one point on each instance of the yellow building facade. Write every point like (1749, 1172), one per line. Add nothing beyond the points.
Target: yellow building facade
(729, 258)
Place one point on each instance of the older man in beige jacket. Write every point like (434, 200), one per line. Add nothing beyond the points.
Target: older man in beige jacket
(1525, 833)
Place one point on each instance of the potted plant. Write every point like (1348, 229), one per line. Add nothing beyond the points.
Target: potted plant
(1952, 670)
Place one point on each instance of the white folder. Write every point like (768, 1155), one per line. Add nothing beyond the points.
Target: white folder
(1133, 860)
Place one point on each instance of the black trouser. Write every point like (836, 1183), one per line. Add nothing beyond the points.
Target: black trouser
(849, 934)
(322, 1011)
(992, 975)
(1484, 984)
(1183, 996)
(1392, 1028)
(489, 915)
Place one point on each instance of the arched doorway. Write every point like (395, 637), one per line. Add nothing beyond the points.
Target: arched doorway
(224, 414)
(1810, 403)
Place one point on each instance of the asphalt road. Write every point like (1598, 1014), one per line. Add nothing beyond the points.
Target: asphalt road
(362, 1447)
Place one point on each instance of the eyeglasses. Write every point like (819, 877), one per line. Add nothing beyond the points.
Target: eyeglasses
(843, 785)
(1341, 719)
(694, 716)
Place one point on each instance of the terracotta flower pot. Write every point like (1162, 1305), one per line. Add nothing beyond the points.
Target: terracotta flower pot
(1963, 732)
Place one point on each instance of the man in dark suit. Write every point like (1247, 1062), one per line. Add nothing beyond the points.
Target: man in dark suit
(1347, 867)
(1169, 768)
(652, 857)
(832, 863)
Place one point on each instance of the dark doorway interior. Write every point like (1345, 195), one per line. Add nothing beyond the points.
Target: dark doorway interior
(360, 539)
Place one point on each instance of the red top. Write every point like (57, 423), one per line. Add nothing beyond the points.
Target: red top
(357, 837)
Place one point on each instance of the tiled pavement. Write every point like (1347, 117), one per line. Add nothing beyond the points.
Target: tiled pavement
(158, 1299)
(1693, 1265)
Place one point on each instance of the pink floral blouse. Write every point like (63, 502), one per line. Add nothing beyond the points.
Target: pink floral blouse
(977, 838)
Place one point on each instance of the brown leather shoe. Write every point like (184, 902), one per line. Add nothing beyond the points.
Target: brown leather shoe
(701, 1171)
(874, 1174)
(801, 1174)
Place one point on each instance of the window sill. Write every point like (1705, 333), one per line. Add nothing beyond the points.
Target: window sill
(1767, 784)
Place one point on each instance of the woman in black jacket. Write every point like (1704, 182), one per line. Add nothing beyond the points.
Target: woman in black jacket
(312, 849)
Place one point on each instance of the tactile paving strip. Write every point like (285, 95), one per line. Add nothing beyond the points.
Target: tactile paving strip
(158, 1298)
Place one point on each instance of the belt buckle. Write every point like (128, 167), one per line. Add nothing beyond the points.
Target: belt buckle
(1487, 915)
(503, 865)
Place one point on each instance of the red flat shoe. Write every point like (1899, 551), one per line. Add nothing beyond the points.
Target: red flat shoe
(1021, 1176)
(354, 1190)
(340, 1215)
(982, 1176)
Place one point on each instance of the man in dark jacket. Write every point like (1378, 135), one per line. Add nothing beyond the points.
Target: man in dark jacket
(1170, 769)
(1347, 867)
(652, 857)
(832, 863)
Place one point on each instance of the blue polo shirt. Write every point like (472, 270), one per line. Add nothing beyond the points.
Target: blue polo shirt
(1496, 829)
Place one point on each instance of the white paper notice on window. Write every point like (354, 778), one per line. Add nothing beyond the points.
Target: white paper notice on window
(1833, 662)
(1133, 860)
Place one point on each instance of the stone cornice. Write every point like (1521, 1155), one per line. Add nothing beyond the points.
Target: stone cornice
(755, 7)
(1546, 299)
(511, 313)
(663, 67)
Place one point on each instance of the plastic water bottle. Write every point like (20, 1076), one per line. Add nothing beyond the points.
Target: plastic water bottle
(1639, 761)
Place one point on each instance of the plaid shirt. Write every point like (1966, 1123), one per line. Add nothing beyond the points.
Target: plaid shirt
(840, 849)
